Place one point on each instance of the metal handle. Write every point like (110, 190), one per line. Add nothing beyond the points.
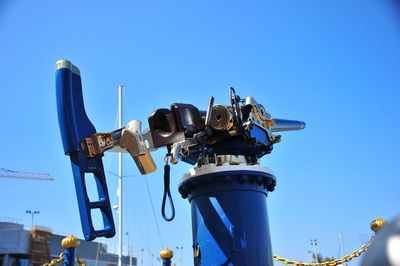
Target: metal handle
(76, 126)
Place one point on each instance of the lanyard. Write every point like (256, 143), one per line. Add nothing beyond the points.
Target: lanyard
(167, 193)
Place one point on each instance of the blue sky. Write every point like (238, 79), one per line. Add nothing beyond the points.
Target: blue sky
(333, 64)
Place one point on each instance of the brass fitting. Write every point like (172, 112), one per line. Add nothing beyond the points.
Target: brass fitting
(70, 242)
(377, 224)
(166, 253)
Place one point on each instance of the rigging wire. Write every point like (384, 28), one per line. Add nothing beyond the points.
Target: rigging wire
(145, 240)
(108, 164)
(154, 213)
(125, 103)
(110, 159)
(146, 213)
(128, 110)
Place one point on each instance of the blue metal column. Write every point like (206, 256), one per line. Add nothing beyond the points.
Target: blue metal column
(229, 214)
(166, 262)
(70, 244)
(69, 257)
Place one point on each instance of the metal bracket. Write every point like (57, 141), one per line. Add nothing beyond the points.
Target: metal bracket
(132, 141)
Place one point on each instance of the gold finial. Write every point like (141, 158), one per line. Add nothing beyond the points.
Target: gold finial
(377, 224)
(166, 253)
(70, 242)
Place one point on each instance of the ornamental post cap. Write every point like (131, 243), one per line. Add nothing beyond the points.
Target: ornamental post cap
(70, 242)
(166, 253)
(377, 224)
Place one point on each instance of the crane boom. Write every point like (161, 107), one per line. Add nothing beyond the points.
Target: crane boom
(25, 175)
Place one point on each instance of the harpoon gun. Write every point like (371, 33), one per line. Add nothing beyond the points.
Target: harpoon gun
(191, 135)
(240, 132)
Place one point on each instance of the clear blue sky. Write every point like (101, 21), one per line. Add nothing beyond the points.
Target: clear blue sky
(334, 64)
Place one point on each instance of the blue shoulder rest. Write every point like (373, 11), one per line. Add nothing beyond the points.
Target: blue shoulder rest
(75, 126)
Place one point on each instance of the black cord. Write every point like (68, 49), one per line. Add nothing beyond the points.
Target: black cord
(235, 107)
(167, 193)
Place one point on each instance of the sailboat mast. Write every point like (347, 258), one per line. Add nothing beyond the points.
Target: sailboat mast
(341, 246)
(120, 180)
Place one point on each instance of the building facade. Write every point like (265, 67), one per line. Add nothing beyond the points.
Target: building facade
(20, 247)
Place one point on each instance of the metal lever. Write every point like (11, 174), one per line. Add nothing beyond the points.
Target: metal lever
(132, 141)
(209, 109)
(128, 139)
(76, 126)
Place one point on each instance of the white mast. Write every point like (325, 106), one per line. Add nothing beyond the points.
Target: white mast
(341, 246)
(120, 180)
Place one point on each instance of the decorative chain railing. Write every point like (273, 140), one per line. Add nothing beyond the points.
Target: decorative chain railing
(79, 261)
(67, 257)
(70, 243)
(347, 258)
(60, 259)
(376, 225)
(56, 261)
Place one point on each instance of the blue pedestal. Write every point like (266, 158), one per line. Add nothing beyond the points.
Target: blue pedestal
(229, 214)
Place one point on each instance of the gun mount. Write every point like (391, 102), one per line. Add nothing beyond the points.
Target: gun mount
(224, 143)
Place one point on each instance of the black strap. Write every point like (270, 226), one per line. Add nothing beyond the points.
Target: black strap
(167, 192)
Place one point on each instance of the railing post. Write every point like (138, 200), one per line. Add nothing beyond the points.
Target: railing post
(70, 243)
(166, 256)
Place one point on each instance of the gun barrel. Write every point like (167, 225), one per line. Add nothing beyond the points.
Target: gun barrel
(287, 125)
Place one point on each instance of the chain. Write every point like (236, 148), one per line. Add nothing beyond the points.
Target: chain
(61, 260)
(346, 258)
(56, 261)
(79, 261)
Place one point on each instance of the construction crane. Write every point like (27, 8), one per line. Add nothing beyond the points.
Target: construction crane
(25, 175)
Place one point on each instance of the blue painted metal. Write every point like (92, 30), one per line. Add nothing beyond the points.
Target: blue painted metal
(229, 217)
(69, 256)
(75, 126)
(166, 262)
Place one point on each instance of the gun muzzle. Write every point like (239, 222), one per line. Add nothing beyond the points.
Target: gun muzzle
(287, 125)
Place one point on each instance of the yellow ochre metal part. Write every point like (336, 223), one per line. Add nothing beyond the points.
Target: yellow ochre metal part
(79, 261)
(57, 261)
(70, 242)
(377, 224)
(166, 253)
(67, 64)
(260, 117)
(258, 114)
(132, 141)
(346, 258)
